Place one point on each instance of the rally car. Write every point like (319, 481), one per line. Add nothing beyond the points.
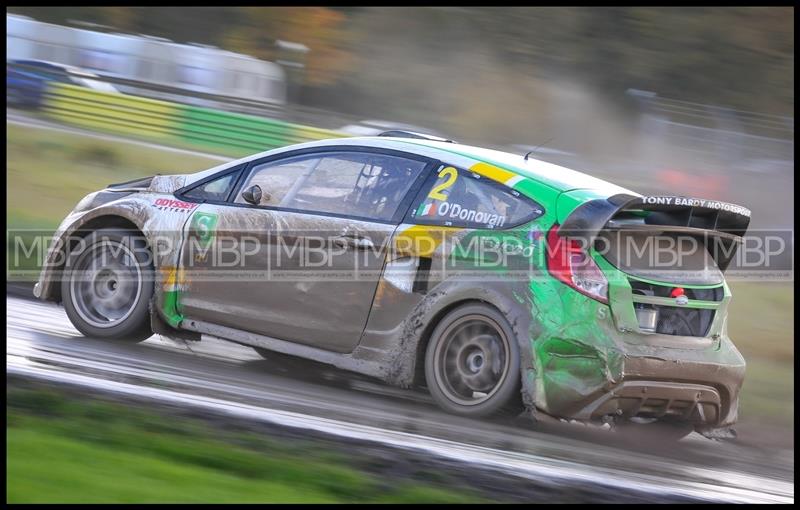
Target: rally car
(493, 279)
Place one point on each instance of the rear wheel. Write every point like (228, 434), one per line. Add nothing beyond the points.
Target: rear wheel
(107, 286)
(472, 362)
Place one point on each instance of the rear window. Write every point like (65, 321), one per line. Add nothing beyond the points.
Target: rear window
(461, 198)
(662, 256)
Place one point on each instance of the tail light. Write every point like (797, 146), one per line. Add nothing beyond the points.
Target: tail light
(568, 262)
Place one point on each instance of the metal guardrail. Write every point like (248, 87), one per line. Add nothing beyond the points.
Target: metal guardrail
(285, 112)
(117, 113)
(170, 122)
(716, 136)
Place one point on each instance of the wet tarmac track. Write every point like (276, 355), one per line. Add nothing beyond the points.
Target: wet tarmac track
(226, 378)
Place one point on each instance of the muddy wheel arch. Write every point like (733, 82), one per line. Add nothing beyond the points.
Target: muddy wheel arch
(79, 229)
(406, 361)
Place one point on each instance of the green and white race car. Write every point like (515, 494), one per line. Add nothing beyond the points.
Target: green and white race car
(494, 280)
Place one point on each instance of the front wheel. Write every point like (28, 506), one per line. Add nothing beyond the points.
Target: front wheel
(472, 362)
(107, 285)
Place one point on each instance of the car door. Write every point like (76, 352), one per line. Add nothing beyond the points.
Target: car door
(298, 249)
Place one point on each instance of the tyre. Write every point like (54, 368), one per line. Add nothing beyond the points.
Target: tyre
(107, 286)
(472, 362)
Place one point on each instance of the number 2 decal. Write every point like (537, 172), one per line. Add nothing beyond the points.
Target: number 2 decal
(452, 175)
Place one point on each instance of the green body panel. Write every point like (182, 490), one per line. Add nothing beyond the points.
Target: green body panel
(684, 285)
(170, 308)
(544, 195)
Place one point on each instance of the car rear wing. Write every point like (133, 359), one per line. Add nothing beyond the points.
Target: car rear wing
(690, 216)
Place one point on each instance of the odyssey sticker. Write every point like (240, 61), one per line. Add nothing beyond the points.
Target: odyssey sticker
(168, 204)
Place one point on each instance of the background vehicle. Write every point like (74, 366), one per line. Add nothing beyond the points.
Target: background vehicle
(399, 286)
(26, 80)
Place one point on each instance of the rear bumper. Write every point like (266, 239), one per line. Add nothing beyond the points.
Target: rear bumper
(694, 403)
(700, 386)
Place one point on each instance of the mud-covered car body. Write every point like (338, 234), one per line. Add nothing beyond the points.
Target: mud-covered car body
(581, 356)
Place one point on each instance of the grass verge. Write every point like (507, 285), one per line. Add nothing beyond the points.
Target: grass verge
(62, 448)
(48, 172)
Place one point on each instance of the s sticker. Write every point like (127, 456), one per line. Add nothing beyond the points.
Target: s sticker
(204, 225)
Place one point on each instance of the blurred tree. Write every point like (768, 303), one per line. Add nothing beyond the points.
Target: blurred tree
(205, 25)
(731, 56)
(321, 29)
(742, 57)
(122, 18)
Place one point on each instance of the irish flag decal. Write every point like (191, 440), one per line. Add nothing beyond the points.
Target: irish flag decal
(426, 210)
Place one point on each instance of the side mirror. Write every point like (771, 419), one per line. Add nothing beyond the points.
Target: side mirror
(252, 195)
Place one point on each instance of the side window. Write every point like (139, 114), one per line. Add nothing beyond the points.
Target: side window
(460, 198)
(360, 184)
(217, 189)
(277, 178)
